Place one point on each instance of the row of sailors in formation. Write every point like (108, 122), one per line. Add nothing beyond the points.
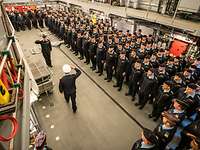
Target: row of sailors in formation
(170, 84)
(26, 20)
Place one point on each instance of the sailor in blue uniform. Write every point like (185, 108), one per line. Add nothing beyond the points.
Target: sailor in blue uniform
(148, 141)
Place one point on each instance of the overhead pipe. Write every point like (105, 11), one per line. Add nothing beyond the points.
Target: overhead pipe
(174, 16)
(147, 12)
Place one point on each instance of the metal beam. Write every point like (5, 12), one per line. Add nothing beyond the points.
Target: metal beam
(174, 16)
(5, 56)
(26, 113)
(147, 13)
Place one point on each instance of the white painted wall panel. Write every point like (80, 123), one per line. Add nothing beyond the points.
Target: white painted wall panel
(145, 30)
(122, 25)
(189, 5)
(144, 4)
(3, 38)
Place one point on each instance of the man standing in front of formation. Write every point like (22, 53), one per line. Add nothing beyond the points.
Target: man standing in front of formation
(46, 49)
(68, 84)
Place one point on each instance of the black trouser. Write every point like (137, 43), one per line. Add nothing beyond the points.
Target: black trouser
(73, 45)
(132, 88)
(109, 71)
(77, 50)
(35, 25)
(115, 71)
(81, 52)
(46, 23)
(65, 40)
(57, 31)
(143, 99)
(62, 35)
(73, 100)
(120, 79)
(68, 41)
(158, 108)
(41, 24)
(17, 26)
(93, 60)
(100, 66)
(23, 26)
(47, 57)
(54, 29)
(28, 24)
(51, 27)
(128, 75)
(87, 55)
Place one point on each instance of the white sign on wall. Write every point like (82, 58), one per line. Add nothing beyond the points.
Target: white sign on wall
(145, 30)
(189, 5)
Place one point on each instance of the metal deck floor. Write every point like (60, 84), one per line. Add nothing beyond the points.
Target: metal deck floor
(99, 124)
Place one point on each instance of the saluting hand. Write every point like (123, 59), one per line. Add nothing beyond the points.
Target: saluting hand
(72, 67)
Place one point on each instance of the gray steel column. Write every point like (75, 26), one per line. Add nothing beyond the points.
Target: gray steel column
(34, 118)
(128, 3)
(173, 18)
(26, 113)
(135, 3)
(164, 5)
(149, 7)
(122, 2)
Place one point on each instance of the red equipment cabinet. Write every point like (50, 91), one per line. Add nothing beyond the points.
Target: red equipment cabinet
(178, 47)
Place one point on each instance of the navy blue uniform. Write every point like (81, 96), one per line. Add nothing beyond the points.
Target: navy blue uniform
(68, 86)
